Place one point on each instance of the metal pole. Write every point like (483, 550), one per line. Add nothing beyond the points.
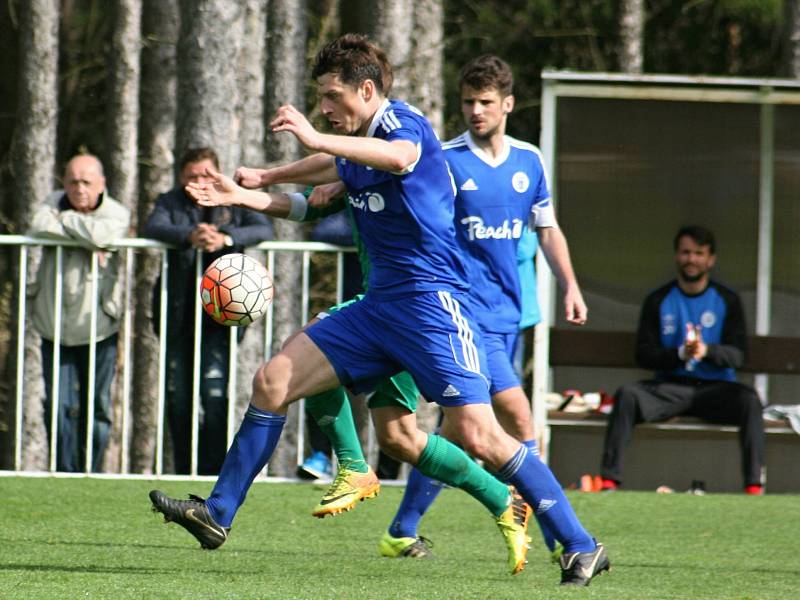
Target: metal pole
(162, 363)
(196, 366)
(765, 233)
(126, 374)
(544, 278)
(92, 365)
(55, 389)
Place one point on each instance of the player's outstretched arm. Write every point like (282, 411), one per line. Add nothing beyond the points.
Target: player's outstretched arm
(393, 156)
(556, 251)
(223, 191)
(316, 169)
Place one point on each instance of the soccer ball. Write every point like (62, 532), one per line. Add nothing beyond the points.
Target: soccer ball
(236, 290)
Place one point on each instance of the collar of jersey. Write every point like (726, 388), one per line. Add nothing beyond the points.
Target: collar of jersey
(377, 117)
(477, 151)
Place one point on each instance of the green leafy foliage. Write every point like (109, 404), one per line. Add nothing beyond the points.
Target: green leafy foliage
(712, 37)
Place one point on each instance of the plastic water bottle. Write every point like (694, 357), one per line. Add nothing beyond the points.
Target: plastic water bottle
(691, 337)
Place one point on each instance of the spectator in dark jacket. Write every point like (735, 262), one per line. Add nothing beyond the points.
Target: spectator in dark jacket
(177, 220)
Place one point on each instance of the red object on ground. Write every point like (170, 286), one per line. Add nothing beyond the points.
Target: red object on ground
(608, 484)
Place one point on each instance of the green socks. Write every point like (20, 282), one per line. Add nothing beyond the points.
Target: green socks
(331, 410)
(448, 463)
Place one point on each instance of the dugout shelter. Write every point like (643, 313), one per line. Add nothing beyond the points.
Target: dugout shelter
(631, 158)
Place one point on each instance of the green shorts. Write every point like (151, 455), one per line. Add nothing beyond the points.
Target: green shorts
(398, 390)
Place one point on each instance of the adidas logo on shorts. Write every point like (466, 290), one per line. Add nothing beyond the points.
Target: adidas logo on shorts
(450, 392)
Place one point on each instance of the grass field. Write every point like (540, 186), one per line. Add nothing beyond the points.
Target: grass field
(96, 538)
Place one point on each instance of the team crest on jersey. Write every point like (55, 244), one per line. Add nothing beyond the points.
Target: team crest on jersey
(520, 181)
(371, 201)
(668, 324)
(708, 319)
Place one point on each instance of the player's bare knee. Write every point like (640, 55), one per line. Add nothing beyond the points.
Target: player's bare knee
(269, 388)
(519, 427)
(476, 443)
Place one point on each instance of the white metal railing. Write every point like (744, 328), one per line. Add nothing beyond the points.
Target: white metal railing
(128, 246)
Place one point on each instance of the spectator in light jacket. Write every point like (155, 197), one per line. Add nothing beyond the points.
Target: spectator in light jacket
(82, 212)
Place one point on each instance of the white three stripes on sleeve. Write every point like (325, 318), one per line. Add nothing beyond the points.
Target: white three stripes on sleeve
(389, 121)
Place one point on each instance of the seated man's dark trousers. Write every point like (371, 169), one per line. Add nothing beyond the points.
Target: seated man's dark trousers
(720, 402)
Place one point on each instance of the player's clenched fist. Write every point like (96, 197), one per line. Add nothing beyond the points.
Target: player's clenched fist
(248, 178)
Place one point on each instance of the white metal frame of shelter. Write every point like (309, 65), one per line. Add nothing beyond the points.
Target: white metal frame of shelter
(765, 93)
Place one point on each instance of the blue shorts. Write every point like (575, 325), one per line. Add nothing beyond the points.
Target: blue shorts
(500, 348)
(431, 335)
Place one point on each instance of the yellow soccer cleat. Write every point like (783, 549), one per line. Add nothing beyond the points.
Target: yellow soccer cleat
(522, 510)
(392, 547)
(513, 525)
(347, 488)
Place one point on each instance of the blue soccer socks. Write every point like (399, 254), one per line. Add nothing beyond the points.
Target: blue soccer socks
(547, 535)
(420, 493)
(252, 448)
(537, 484)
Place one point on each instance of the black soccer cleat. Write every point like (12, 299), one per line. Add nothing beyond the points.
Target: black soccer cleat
(578, 568)
(193, 516)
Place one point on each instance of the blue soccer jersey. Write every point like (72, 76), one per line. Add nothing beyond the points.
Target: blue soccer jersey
(496, 200)
(416, 314)
(709, 311)
(405, 220)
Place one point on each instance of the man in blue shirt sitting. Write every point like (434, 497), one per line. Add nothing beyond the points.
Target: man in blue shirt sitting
(692, 333)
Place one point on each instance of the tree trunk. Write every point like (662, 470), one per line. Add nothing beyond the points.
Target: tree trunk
(208, 52)
(123, 106)
(157, 100)
(631, 52)
(392, 24)
(426, 92)
(9, 42)
(121, 163)
(287, 75)
(426, 76)
(252, 68)
(793, 39)
(34, 166)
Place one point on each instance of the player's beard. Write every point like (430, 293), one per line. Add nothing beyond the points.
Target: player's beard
(692, 278)
(487, 135)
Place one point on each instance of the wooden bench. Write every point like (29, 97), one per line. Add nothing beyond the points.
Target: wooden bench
(651, 459)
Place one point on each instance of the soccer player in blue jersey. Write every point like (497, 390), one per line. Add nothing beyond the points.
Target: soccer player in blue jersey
(415, 316)
(502, 190)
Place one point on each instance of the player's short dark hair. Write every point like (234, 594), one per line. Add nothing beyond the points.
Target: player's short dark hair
(354, 58)
(487, 71)
(702, 236)
(194, 155)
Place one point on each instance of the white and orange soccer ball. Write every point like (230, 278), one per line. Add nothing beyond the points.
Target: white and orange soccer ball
(236, 290)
